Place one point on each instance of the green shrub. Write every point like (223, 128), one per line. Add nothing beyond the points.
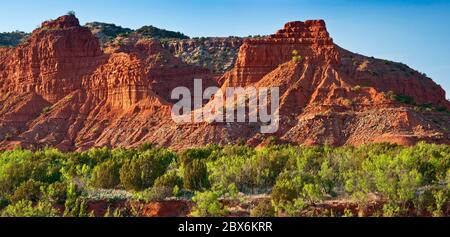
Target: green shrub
(163, 188)
(106, 175)
(77, 208)
(95, 156)
(194, 168)
(30, 191)
(146, 146)
(442, 109)
(405, 99)
(269, 163)
(237, 170)
(251, 171)
(391, 210)
(263, 209)
(284, 191)
(57, 192)
(295, 57)
(156, 193)
(292, 208)
(195, 176)
(356, 88)
(12, 175)
(390, 95)
(447, 179)
(72, 203)
(196, 153)
(46, 110)
(207, 204)
(141, 172)
(348, 213)
(26, 208)
(18, 166)
(169, 180)
(3, 203)
(441, 198)
(312, 192)
(348, 102)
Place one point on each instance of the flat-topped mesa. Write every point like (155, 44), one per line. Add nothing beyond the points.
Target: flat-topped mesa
(259, 56)
(314, 30)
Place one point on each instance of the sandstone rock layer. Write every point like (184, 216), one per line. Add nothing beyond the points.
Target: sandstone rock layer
(60, 88)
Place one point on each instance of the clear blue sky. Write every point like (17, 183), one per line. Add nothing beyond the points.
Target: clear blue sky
(414, 32)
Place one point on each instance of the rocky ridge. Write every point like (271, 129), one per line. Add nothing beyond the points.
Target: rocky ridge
(61, 88)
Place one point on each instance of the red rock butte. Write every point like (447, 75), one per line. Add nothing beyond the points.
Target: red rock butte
(61, 89)
(257, 57)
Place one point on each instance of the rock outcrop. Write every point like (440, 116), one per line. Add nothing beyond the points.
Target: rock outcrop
(332, 96)
(217, 54)
(52, 62)
(257, 57)
(61, 88)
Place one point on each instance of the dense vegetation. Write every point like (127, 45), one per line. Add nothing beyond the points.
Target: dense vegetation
(107, 32)
(12, 39)
(408, 100)
(409, 181)
(154, 32)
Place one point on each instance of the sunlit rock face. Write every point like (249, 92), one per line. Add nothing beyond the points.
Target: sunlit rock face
(61, 88)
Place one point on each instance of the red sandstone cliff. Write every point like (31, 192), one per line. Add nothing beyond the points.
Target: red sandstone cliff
(334, 96)
(61, 89)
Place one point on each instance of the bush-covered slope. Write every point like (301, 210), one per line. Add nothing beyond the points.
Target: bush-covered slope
(154, 32)
(12, 39)
(413, 181)
(106, 32)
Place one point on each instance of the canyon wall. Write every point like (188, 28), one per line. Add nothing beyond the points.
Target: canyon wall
(61, 88)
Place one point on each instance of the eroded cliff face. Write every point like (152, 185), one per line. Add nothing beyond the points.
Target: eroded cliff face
(52, 62)
(62, 89)
(332, 96)
(258, 57)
